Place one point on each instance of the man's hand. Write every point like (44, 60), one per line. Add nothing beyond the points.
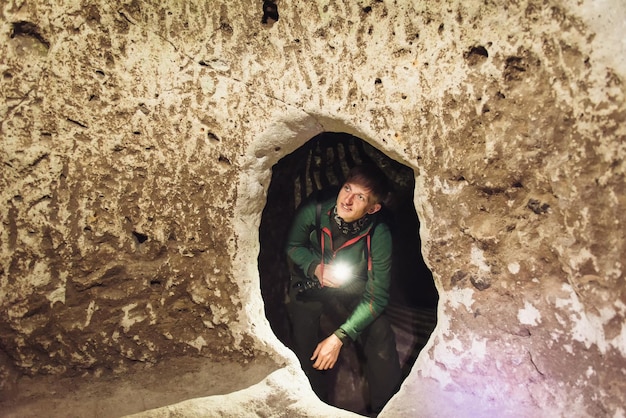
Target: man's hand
(326, 353)
(328, 280)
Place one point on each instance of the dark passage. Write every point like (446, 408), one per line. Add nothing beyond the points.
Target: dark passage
(324, 161)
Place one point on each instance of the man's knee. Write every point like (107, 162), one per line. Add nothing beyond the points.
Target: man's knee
(380, 332)
(380, 341)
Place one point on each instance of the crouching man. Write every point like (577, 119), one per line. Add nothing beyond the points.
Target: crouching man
(341, 262)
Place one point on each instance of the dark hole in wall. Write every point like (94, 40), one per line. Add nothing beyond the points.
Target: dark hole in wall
(321, 162)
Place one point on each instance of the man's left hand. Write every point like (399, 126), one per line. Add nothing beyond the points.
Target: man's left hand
(326, 353)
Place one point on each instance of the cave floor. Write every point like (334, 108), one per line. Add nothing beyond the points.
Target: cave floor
(139, 389)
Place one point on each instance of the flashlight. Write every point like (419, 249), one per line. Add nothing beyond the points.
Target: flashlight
(342, 272)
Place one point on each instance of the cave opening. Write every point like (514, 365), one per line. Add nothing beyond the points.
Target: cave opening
(322, 162)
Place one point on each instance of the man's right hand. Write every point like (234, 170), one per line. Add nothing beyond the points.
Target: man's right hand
(328, 280)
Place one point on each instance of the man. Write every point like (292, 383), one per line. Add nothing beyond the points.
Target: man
(344, 266)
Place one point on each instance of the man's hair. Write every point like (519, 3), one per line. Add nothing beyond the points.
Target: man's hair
(371, 177)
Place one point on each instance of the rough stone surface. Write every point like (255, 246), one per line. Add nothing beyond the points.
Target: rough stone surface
(140, 388)
(137, 146)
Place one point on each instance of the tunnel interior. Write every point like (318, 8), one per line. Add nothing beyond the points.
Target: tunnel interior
(320, 164)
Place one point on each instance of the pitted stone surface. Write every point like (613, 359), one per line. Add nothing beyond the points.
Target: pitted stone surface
(137, 146)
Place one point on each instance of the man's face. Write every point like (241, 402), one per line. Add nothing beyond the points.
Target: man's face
(354, 201)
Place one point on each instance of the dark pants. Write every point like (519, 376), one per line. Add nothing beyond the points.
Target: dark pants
(382, 366)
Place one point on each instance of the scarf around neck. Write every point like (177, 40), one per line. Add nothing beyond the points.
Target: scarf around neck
(351, 228)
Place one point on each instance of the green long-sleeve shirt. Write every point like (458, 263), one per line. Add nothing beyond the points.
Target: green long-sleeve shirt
(304, 249)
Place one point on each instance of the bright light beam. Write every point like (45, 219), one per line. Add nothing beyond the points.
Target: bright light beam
(342, 272)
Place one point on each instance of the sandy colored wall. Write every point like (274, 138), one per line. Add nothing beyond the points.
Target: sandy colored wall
(138, 139)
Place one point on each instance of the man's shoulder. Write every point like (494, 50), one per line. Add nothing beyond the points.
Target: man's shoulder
(382, 223)
(325, 198)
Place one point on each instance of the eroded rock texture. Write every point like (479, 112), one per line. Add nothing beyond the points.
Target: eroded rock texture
(138, 140)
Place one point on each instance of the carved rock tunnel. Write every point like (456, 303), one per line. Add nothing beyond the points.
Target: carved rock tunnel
(322, 162)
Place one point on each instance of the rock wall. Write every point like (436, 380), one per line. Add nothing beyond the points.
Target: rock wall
(137, 146)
